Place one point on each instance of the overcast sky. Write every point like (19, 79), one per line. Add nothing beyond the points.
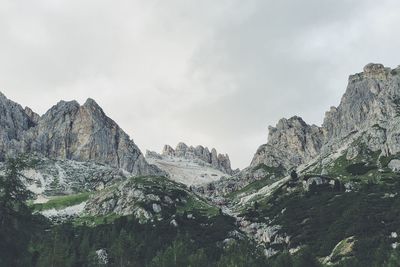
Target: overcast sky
(210, 72)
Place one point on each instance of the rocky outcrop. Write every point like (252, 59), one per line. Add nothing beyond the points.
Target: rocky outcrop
(70, 131)
(14, 122)
(218, 161)
(291, 143)
(372, 96)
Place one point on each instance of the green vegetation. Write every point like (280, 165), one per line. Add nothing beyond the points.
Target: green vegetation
(368, 166)
(16, 220)
(384, 161)
(62, 202)
(321, 220)
(272, 174)
(252, 187)
(359, 168)
(352, 228)
(277, 171)
(163, 187)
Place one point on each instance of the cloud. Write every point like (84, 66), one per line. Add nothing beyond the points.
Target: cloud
(207, 72)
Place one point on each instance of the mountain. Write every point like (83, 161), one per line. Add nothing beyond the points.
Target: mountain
(368, 114)
(344, 193)
(213, 158)
(291, 143)
(192, 165)
(312, 196)
(14, 122)
(64, 140)
(369, 107)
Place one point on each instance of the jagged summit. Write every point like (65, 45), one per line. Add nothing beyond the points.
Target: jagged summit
(70, 131)
(14, 122)
(217, 161)
(372, 98)
(290, 143)
(192, 165)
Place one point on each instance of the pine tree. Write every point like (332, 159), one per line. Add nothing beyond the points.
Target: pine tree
(294, 175)
(16, 220)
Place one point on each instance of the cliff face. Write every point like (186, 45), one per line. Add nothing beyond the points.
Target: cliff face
(14, 122)
(370, 105)
(371, 97)
(218, 161)
(70, 131)
(290, 143)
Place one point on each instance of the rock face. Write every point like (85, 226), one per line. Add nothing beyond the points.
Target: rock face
(70, 131)
(291, 143)
(14, 122)
(191, 165)
(371, 96)
(218, 161)
(370, 107)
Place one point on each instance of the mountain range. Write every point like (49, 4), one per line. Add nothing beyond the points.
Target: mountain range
(329, 192)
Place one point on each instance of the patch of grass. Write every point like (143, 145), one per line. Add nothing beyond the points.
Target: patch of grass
(277, 171)
(252, 187)
(385, 160)
(195, 204)
(93, 221)
(62, 202)
(359, 168)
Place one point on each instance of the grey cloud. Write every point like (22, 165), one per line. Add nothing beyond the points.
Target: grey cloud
(206, 72)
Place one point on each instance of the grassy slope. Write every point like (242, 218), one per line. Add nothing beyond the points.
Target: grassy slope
(62, 202)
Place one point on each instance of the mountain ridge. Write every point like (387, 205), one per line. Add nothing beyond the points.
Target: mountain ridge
(70, 131)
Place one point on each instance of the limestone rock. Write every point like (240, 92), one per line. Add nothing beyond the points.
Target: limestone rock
(197, 154)
(291, 143)
(369, 109)
(69, 131)
(14, 122)
(394, 165)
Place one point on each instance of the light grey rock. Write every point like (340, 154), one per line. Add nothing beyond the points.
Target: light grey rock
(156, 208)
(181, 150)
(199, 154)
(291, 143)
(102, 257)
(214, 158)
(168, 151)
(14, 122)
(394, 165)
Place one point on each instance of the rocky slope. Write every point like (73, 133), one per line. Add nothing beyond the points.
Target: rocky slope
(291, 143)
(14, 122)
(191, 165)
(67, 138)
(199, 153)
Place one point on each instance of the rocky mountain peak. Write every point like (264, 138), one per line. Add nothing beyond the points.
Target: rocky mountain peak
(70, 131)
(374, 70)
(217, 161)
(372, 98)
(168, 151)
(90, 102)
(290, 143)
(14, 122)
(32, 115)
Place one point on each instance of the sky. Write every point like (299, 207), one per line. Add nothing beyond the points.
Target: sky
(209, 72)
